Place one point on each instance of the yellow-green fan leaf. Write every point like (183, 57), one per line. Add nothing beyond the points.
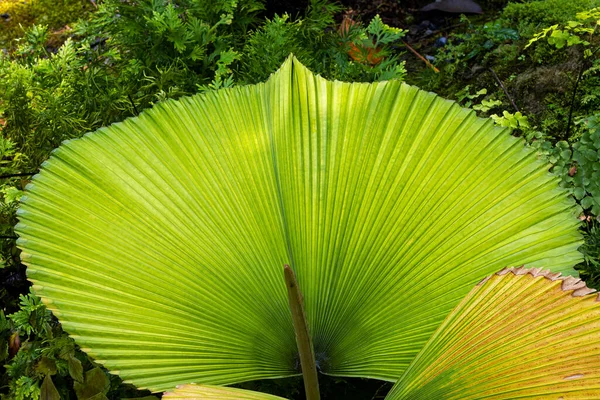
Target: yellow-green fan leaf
(521, 333)
(396, 203)
(211, 392)
(160, 242)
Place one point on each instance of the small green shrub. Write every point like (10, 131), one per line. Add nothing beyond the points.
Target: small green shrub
(47, 98)
(195, 42)
(589, 269)
(358, 53)
(552, 83)
(45, 360)
(578, 165)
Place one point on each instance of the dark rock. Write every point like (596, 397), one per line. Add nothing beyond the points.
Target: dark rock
(414, 30)
(454, 6)
(441, 42)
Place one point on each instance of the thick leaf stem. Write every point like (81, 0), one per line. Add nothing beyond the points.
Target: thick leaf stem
(303, 339)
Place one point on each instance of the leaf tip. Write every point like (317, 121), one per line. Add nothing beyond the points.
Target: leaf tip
(484, 280)
(572, 283)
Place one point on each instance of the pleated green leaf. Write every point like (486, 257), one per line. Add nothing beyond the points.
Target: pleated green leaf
(522, 333)
(210, 392)
(160, 242)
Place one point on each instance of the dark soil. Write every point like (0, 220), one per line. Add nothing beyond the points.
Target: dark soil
(332, 388)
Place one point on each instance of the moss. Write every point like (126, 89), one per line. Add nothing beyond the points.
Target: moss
(545, 12)
(20, 14)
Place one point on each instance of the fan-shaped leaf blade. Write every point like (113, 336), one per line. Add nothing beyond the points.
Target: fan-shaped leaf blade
(159, 242)
(522, 333)
(397, 203)
(209, 392)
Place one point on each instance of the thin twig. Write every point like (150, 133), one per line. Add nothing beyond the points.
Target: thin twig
(572, 105)
(376, 395)
(133, 104)
(574, 95)
(442, 29)
(426, 61)
(8, 237)
(303, 339)
(504, 89)
(16, 175)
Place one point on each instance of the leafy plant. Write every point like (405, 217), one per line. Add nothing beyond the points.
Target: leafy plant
(42, 361)
(479, 45)
(511, 120)
(351, 53)
(580, 32)
(33, 317)
(34, 364)
(466, 98)
(589, 269)
(160, 241)
(577, 165)
(586, 158)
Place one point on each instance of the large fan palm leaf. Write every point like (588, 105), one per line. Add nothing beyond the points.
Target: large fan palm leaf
(160, 242)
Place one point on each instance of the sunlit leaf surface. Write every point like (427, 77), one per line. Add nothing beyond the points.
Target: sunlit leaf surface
(160, 242)
(522, 333)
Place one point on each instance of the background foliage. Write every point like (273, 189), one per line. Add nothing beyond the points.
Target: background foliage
(56, 14)
(71, 66)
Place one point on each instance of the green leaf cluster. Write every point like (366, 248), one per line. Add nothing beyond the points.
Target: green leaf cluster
(353, 52)
(510, 120)
(586, 158)
(482, 44)
(589, 269)
(577, 164)
(539, 81)
(43, 361)
(465, 98)
(577, 32)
